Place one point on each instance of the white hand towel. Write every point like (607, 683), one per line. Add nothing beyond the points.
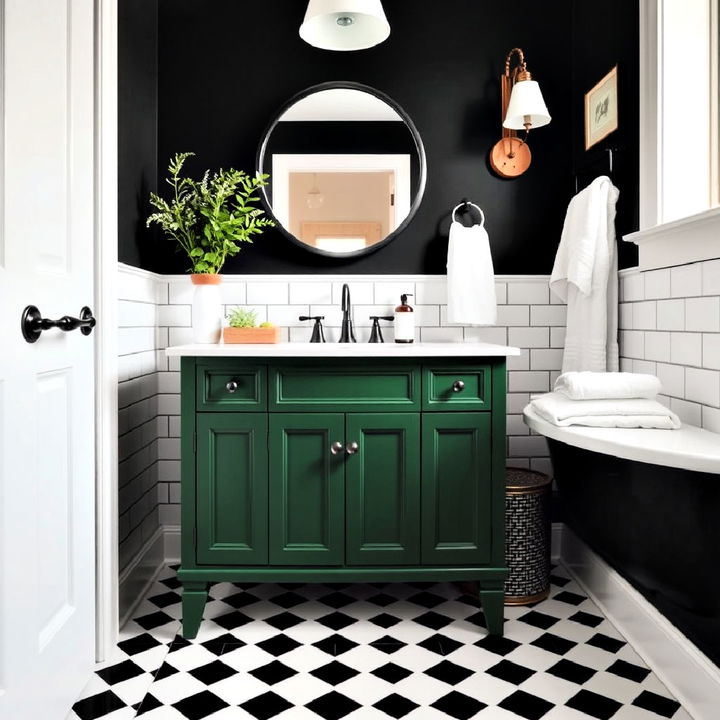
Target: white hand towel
(560, 410)
(585, 276)
(470, 277)
(594, 386)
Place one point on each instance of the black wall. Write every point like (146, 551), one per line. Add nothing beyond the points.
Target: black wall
(600, 40)
(137, 129)
(225, 68)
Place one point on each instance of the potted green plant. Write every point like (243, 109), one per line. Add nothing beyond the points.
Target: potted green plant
(209, 219)
(244, 328)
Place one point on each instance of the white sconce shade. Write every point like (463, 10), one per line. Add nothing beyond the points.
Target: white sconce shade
(344, 24)
(526, 107)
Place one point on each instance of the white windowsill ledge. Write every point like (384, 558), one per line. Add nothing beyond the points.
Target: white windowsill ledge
(679, 242)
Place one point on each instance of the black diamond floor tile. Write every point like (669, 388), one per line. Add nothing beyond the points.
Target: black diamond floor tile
(153, 620)
(539, 619)
(426, 599)
(440, 644)
(392, 673)
(333, 706)
(384, 620)
(569, 597)
(232, 620)
(223, 643)
(138, 644)
(278, 645)
(165, 670)
(336, 620)
(510, 672)
(165, 599)
(337, 600)
(586, 619)
(526, 706)
(571, 671)
(554, 643)
(212, 672)
(665, 707)
(335, 645)
(288, 600)
(178, 643)
(273, 672)
(605, 642)
(284, 620)
(594, 705)
(115, 674)
(498, 645)
(240, 600)
(433, 620)
(148, 703)
(171, 582)
(448, 672)
(395, 705)
(382, 599)
(388, 644)
(629, 671)
(98, 705)
(334, 673)
(458, 706)
(266, 705)
(559, 580)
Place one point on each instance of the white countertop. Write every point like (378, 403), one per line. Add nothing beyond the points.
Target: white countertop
(689, 448)
(335, 350)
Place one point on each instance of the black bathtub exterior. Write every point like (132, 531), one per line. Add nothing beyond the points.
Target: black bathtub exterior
(659, 527)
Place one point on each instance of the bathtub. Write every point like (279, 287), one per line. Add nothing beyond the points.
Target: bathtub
(648, 502)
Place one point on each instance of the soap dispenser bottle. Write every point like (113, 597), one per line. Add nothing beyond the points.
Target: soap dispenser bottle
(404, 321)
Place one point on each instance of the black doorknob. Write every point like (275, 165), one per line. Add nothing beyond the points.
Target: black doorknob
(33, 323)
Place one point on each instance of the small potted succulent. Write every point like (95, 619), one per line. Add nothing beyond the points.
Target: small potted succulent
(244, 328)
(209, 219)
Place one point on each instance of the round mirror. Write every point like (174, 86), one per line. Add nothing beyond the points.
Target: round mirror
(347, 169)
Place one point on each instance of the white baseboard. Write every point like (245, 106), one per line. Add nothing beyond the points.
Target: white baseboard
(172, 543)
(140, 574)
(556, 535)
(689, 674)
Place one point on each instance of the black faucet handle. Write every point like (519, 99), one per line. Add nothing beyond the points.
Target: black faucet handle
(318, 336)
(389, 318)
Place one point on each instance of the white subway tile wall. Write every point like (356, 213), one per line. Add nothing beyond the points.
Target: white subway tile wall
(670, 326)
(156, 312)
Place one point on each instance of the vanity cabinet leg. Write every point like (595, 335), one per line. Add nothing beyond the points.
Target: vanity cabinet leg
(492, 600)
(194, 597)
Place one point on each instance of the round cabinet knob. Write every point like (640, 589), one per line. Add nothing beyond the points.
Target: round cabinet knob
(458, 386)
(351, 448)
(231, 387)
(336, 448)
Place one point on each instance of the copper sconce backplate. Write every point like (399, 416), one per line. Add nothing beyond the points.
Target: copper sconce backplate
(510, 157)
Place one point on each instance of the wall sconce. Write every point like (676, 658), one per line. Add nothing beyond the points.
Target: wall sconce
(523, 107)
(344, 24)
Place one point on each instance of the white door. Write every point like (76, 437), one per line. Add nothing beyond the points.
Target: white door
(47, 525)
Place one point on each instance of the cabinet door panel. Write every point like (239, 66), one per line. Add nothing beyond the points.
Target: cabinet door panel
(232, 501)
(307, 489)
(383, 489)
(456, 488)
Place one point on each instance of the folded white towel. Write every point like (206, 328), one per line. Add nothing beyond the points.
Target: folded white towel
(560, 410)
(470, 277)
(589, 385)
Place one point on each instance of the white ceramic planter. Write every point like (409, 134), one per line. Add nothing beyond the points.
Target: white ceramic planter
(207, 309)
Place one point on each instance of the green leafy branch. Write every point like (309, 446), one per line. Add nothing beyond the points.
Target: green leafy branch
(209, 218)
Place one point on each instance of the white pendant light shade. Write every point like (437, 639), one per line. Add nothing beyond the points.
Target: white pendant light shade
(526, 106)
(344, 24)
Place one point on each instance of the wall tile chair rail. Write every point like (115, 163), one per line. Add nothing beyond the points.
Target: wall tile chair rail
(529, 317)
(670, 326)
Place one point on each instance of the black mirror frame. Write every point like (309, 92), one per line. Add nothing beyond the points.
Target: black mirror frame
(422, 163)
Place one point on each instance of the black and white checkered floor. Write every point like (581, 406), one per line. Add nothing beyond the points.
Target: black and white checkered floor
(372, 652)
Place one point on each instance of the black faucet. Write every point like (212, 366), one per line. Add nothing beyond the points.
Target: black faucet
(347, 333)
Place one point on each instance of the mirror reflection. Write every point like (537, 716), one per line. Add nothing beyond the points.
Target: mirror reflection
(346, 170)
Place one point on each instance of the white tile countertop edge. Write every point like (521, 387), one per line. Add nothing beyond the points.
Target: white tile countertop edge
(364, 350)
(689, 448)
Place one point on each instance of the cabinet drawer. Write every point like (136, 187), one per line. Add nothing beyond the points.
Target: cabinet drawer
(459, 387)
(344, 388)
(226, 385)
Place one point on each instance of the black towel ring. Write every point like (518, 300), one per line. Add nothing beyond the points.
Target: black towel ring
(471, 204)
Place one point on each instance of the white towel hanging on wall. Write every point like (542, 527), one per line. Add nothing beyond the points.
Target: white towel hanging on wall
(470, 274)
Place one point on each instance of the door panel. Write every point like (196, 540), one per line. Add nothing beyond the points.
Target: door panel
(307, 489)
(456, 488)
(383, 489)
(47, 416)
(232, 499)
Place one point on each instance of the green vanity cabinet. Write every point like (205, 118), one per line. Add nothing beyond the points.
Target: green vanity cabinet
(346, 469)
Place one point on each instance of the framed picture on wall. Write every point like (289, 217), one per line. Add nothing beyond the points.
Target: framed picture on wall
(601, 109)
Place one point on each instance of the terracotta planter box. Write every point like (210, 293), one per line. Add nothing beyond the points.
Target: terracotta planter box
(251, 335)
